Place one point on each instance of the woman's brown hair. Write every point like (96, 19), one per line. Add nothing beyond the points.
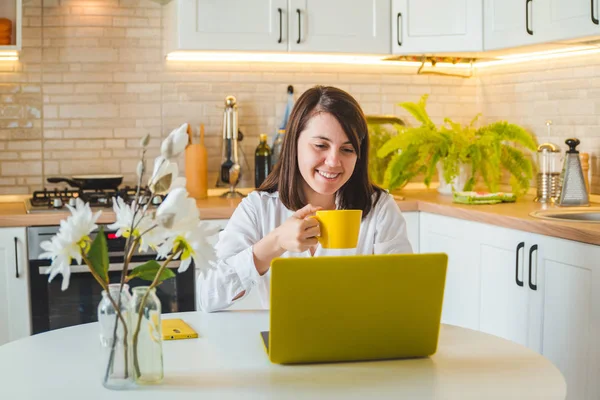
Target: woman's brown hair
(358, 193)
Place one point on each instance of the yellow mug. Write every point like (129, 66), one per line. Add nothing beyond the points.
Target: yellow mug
(339, 228)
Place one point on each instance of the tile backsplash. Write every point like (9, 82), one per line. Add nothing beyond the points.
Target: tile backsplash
(92, 80)
(564, 91)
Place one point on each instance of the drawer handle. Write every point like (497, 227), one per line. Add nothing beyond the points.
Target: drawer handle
(594, 19)
(299, 26)
(398, 30)
(527, 16)
(519, 247)
(280, 11)
(533, 248)
(16, 258)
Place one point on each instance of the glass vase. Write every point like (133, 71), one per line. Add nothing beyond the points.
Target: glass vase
(115, 338)
(147, 336)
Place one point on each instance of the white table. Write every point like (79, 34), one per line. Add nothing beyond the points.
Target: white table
(228, 361)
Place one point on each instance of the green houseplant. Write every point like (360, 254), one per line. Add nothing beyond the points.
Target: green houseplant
(487, 150)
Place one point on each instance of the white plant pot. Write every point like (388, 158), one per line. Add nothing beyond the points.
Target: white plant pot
(458, 182)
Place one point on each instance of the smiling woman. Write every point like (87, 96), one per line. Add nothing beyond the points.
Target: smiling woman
(323, 166)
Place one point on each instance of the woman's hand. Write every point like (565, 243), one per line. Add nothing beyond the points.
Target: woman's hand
(299, 233)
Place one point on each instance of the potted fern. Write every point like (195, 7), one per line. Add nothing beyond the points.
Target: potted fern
(456, 149)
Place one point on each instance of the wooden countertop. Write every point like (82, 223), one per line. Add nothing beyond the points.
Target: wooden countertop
(508, 215)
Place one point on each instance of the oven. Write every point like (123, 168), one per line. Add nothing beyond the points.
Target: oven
(51, 308)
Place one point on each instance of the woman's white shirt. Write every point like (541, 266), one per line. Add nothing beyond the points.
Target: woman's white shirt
(383, 231)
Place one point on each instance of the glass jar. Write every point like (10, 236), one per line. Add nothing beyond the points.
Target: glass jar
(115, 337)
(147, 336)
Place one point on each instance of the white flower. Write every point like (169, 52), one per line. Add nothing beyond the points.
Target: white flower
(151, 238)
(71, 240)
(185, 233)
(178, 212)
(193, 246)
(175, 143)
(164, 176)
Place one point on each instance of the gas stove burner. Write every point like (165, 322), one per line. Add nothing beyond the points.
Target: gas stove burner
(48, 200)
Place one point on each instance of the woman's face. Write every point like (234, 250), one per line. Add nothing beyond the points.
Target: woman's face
(326, 157)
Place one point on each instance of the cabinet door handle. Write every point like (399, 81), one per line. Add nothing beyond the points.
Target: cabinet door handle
(398, 30)
(527, 16)
(16, 258)
(519, 247)
(280, 11)
(299, 26)
(594, 19)
(533, 248)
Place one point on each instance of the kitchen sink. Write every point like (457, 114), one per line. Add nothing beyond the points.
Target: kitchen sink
(572, 215)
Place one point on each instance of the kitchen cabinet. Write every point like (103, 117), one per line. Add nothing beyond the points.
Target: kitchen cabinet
(432, 26)
(412, 229)
(332, 26)
(339, 26)
(504, 306)
(565, 19)
(510, 23)
(564, 308)
(13, 10)
(253, 25)
(440, 234)
(15, 308)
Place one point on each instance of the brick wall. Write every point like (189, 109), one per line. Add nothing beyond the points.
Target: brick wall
(565, 91)
(92, 80)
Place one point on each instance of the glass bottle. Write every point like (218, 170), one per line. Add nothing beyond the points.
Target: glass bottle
(262, 161)
(115, 338)
(277, 144)
(147, 336)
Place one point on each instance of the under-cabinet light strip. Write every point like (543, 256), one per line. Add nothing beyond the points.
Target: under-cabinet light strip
(9, 55)
(299, 58)
(194, 56)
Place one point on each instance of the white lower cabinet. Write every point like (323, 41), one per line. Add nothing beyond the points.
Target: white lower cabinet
(504, 286)
(564, 311)
(439, 234)
(539, 291)
(15, 309)
(412, 229)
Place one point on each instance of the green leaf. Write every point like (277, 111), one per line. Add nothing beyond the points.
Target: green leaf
(98, 255)
(148, 271)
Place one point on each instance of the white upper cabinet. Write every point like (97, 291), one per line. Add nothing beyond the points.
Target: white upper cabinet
(340, 26)
(13, 10)
(433, 26)
(511, 23)
(253, 25)
(332, 26)
(566, 19)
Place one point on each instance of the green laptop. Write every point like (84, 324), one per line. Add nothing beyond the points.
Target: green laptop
(351, 308)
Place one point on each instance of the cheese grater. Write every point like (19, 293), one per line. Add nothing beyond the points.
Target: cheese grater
(573, 192)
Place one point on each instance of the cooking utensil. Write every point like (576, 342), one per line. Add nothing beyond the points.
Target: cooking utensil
(87, 182)
(234, 177)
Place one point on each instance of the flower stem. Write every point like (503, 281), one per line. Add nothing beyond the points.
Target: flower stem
(136, 363)
(118, 316)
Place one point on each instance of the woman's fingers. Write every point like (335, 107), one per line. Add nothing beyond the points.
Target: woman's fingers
(306, 211)
(308, 243)
(312, 232)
